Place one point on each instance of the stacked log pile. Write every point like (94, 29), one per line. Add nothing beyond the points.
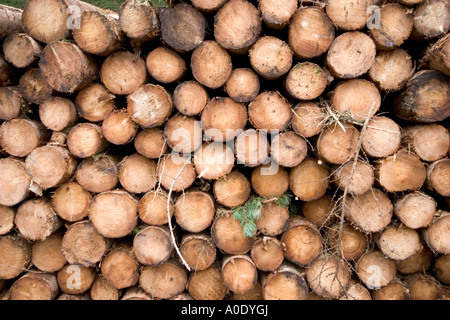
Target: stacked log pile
(225, 149)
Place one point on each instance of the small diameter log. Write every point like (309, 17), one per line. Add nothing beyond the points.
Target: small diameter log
(83, 245)
(227, 235)
(7, 215)
(182, 27)
(165, 65)
(190, 98)
(273, 219)
(118, 127)
(198, 250)
(349, 14)
(239, 273)
(114, 213)
(136, 293)
(10, 20)
(382, 137)
(398, 242)
(58, 113)
(270, 57)
(169, 167)
(149, 105)
(436, 234)
(232, 190)
(302, 241)
(269, 180)
(395, 290)
(349, 243)
(441, 267)
(139, 21)
(267, 254)
(164, 281)
(438, 176)
(15, 182)
(35, 286)
(247, 26)
(152, 245)
(336, 146)
(308, 118)
(369, 212)
(5, 71)
(120, 267)
(252, 148)
(208, 5)
(356, 97)
(403, 171)
(309, 180)
(423, 286)
(103, 290)
(211, 64)
(328, 277)
(437, 56)
(311, 32)
(150, 143)
(21, 50)
(75, 72)
(152, 208)
(137, 174)
(270, 111)
(75, 279)
(418, 262)
(99, 33)
(391, 69)
(15, 256)
(286, 283)
(11, 103)
(207, 284)
(213, 160)
(306, 81)
(19, 137)
(431, 19)
(351, 55)
(357, 182)
(375, 270)
(413, 102)
(194, 211)
(47, 255)
(33, 86)
(223, 119)
(36, 220)
(320, 211)
(415, 209)
(429, 141)
(277, 15)
(243, 85)
(183, 134)
(122, 72)
(395, 26)
(97, 175)
(85, 140)
(95, 102)
(355, 290)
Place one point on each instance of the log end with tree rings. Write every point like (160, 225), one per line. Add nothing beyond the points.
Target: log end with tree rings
(311, 32)
(419, 262)
(349, 14)
(273, 219)
(350, 245)
(369, 212)
(288, 149)
(247, 26)
(309, 180)
(116, 69)
(75, 72)
(207, 284)
(165, 65)
(86, 139)
(80, 284)
(58, 113)
(252, 148)
(194, 211)
(137, 174)
(357, 177)
(270, 180)
(415, 209)
(270, 111)
(97, 175)
(172, 165)
(395, 290)
(21, 50)
(120, 267)
(7, 215)
(94, 103)
(71, 201)
(398, 242)
(308, 119)
(232, 190)
(431, 19)
(15, 182)
(33, 87)
(152, 208)
(47, 255)
(306, 81)
(11, 103)
(356, 98)
(382, 137)
(211, 65)
(267, 253)
(150, 143)
(270, 57)
(429, 141)
(213, 160)
(320, 211)
(336, 145)
(183, 133)
(198, 250)
(287, 282)
(375, 270)
(239, 273)
(436, 235)
(16, 256)
(152, 245)
(190, 98)
(437, 55)
(149, 105)
(351, 55)
(243, 85)
(114, 213)
(119, 128)
(423, 286)
(438, 174)
(277, 15)
(35, 286)
(102, 289)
